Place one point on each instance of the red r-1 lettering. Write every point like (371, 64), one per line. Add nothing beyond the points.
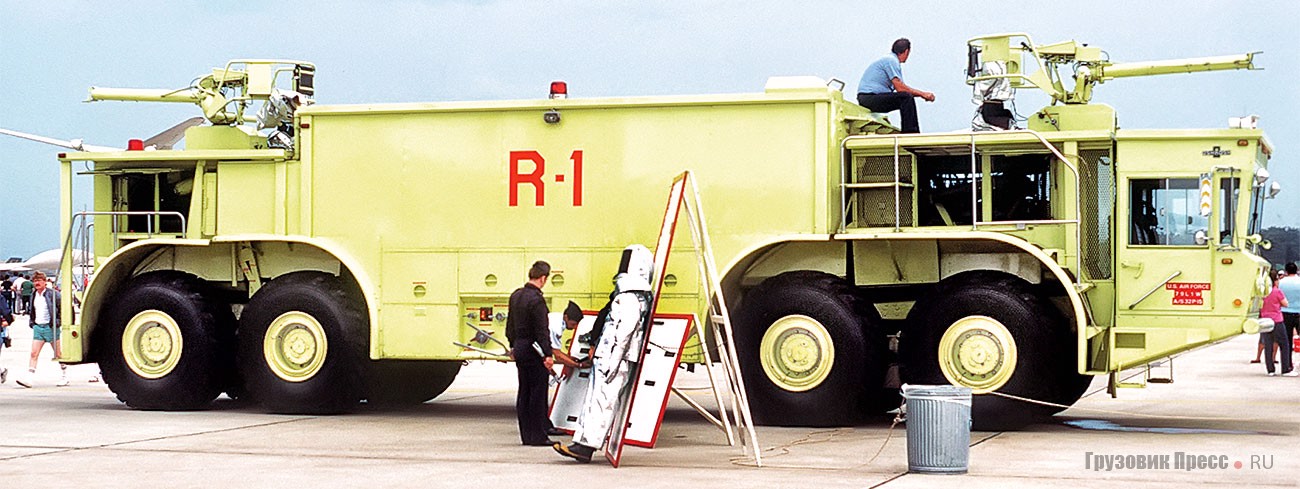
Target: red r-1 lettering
(576, 157)
(534, 178)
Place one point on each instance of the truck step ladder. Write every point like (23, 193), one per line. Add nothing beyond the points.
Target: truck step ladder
(1117, 383)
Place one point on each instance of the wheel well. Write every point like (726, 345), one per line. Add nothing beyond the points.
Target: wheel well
(216, 264)
(892, 271)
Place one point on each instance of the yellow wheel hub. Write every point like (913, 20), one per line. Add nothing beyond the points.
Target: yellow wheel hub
(977, 352)
(152, 344)
(295, 346)
(797, 353)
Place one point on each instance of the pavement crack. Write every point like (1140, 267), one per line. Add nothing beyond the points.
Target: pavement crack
(886, 481)
(58, 450)
(987, 438)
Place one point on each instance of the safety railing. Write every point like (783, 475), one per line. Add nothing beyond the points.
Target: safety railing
(72, 260)
(847, 185)
(79, 232)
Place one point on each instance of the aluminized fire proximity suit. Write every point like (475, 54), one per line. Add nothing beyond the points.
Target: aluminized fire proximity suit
(618, 349)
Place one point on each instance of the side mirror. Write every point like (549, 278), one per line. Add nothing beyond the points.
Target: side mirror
(305, 79)
(1201, 237)
(1274, 189)
(1258, 240)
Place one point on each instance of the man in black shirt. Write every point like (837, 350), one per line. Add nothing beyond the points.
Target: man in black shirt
(530, 344)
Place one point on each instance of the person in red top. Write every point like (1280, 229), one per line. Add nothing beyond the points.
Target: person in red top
(1272, 309)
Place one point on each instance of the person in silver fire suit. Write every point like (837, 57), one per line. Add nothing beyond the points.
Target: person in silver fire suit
(615, 355)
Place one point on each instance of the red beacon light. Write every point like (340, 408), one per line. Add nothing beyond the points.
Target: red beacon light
(135, 145)
(559, 89)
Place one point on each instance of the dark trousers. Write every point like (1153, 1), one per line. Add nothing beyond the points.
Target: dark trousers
(530, 404)
(888, 102)
(1292, 322)
(1282, 339)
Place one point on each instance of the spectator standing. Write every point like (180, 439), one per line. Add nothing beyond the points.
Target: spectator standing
(15, 287)
(7, 292)
(1290, 285)
(1272, 309)
(6, 319)
(27, 288)
(43, 316)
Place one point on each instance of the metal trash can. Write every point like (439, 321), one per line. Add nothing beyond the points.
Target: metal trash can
(938, 428)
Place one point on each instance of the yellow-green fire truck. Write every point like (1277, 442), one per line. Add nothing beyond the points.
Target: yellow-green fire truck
(312, 257)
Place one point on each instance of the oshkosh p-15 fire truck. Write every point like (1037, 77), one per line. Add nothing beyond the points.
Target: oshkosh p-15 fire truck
(311, 256)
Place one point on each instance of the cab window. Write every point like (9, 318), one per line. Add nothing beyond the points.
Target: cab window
(1165, 211)
(1229, 191)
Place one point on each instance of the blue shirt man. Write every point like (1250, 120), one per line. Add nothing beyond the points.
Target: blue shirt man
(880, 75)
(882, 89)
(1290, 285)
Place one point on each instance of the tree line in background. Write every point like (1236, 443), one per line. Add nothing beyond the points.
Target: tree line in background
(1286, 245)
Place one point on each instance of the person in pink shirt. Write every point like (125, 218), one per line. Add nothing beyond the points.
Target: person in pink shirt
(1272, 309)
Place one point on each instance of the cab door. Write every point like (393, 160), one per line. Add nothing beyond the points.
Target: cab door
(1165, 252)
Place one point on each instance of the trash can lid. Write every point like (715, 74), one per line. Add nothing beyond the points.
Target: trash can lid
(925, 391)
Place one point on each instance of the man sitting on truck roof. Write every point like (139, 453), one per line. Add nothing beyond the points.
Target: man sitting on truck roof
(882, 88)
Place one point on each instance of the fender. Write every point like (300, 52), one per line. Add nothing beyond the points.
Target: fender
(122, 263)
(733, 271)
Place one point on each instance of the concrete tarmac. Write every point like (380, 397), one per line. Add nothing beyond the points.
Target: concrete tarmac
(1219, 407)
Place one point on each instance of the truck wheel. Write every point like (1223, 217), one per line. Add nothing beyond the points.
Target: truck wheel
(161, 346)
(808, 350)
(1074, 385)
(302, 345)
(405, 382)
(988, 331)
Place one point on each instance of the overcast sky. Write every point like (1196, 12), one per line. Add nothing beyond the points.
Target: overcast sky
(407, 51)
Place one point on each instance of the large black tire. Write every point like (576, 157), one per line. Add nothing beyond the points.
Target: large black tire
(406, 382)
(335, 385)
(858, 362)
(1073, 385)
(1045, 363)
(198, 374)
